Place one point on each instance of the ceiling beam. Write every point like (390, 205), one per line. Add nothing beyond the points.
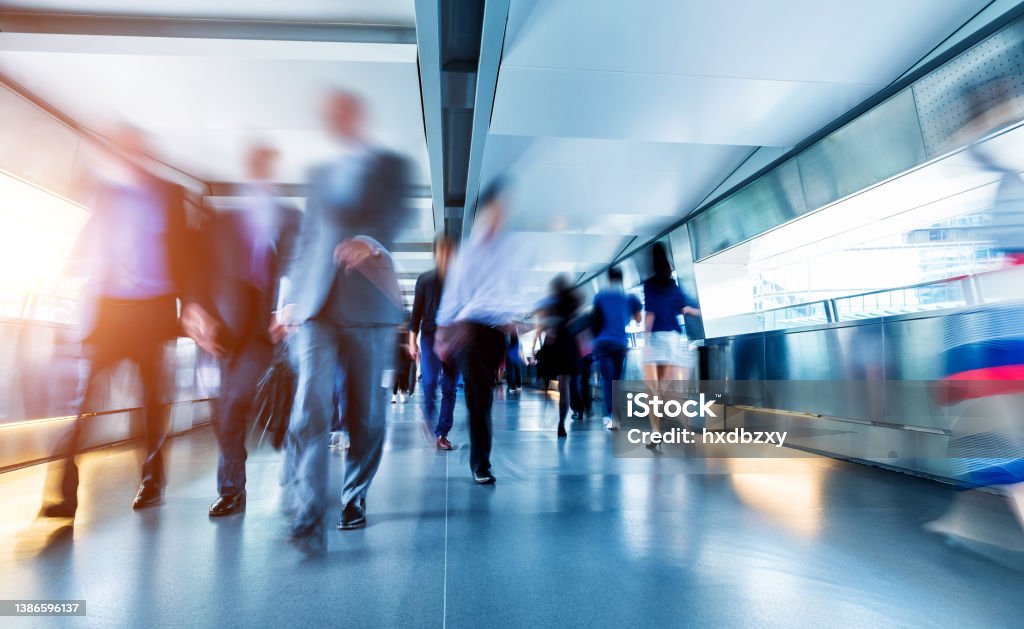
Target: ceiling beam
(200, 28)
(428, 36)
(232, 189)
(492, 41)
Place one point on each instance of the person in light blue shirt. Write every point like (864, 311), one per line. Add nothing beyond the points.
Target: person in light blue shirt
(613, 310)
(482, 296)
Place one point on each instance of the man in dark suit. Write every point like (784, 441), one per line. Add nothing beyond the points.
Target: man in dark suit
(343, 304)
(245, 249)
(137, 252)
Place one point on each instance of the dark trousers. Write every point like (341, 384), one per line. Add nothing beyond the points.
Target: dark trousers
(240, 373)
(136, 331)
(582, 396)
(434, 371)
(612, 359)
(514, 372)
(405, 377)
(478, 359)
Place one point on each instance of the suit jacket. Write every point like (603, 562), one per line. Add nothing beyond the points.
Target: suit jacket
(180, 247)
(225, 287)
(374, 209)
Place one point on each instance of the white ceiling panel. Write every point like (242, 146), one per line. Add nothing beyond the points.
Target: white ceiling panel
(833, 41)
(666, 108)
(606, 175)
(204, 111)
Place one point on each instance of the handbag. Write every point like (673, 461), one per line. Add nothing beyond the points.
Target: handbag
(275, 394)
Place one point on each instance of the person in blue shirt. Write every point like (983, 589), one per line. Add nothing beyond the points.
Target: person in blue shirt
(613, 309)
(666, 357)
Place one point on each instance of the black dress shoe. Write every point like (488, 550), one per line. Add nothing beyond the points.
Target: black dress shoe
(228, 505)
(63, 509)
(561, 430)
(484, 479)
(150, 494)
(353, 516)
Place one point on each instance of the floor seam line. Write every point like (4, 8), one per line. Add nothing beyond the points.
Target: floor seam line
(444, 589)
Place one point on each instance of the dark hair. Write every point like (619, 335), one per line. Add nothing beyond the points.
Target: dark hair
(659, 259)
(560, 283)
(614, 274)
(492, 191)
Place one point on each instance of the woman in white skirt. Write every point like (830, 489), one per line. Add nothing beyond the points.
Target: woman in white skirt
(667, 356)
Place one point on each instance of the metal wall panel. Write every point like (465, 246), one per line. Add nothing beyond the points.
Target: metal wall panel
(880, 144)
(994, 68)
(767, 202)
(832, 371)
(911, 364)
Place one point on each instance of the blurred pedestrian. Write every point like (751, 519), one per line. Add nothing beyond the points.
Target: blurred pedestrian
(342, 306)
(245, 250)
(482, 295)
(612, 312)
(559, 348)
(136, 250)
(666, 356)
(427, 300)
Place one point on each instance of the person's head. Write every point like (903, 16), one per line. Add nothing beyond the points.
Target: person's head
(560, 284)
(129, 139)
(490, 214)
(260, 162)
(345, 116)
(615, 276)
(444, 247)
(659, 260)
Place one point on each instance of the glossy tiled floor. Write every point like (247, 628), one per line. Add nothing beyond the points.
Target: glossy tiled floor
(570, 536)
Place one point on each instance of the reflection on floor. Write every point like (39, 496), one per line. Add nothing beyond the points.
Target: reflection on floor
(570, 536)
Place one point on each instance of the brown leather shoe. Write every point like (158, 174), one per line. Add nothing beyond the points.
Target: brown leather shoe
(444, 444)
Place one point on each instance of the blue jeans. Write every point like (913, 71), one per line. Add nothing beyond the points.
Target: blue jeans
(433, 370)
(612, 358)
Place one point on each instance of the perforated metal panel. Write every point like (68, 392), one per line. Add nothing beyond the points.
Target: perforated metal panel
(988, 75)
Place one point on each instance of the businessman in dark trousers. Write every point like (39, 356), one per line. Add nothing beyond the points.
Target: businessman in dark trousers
(244, 253)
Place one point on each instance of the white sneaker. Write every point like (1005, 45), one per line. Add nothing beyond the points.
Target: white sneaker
(394, 398)
(613, 424)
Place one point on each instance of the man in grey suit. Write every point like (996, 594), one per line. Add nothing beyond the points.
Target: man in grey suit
(342, 307)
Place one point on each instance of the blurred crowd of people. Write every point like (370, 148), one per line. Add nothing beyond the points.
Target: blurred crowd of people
(264, 283)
